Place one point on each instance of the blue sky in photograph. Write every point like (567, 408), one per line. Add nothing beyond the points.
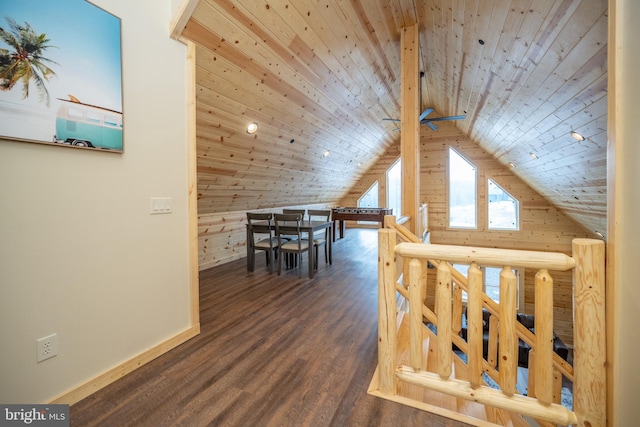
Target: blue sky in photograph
(87, 51)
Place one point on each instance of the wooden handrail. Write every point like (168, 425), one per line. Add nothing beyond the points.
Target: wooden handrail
(589, 392)
(487, 256)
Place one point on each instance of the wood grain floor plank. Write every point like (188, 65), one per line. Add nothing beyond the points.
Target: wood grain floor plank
(273, 351)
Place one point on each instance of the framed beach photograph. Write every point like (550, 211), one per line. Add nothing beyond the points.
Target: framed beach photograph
(61, 74)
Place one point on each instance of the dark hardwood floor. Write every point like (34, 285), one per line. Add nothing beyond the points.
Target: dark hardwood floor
(273, 351)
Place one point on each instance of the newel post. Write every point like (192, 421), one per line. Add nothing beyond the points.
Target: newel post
(590, 382)
(387, 311)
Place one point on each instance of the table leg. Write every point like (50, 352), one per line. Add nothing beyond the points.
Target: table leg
(310, 256)
(330, 243)
(248, 250)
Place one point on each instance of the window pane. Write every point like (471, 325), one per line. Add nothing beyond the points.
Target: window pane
(394, 189)
(503, 209)
(462, 191)
(492, 284)
(369, 200)
(464, 269)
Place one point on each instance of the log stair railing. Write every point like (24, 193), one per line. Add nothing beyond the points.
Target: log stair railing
(419, 368)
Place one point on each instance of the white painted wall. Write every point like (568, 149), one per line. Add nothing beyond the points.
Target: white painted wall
(624, 228)
(80, 255)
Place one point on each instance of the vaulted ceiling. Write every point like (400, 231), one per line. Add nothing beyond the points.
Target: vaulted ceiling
(319, 76)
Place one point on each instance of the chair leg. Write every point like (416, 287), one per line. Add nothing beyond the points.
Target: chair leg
(315, 257)
(251, 258)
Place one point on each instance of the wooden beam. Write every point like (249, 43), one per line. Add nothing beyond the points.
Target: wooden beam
(410, 125)
(194, 278)
(183, 14)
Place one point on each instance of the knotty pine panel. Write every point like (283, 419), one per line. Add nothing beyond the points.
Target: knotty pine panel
(222, 237)
(542, 226)
(327, 73)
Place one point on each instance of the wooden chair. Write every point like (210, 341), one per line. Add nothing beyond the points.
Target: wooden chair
(301, 212)
(288, 226)
(320, 238)
(292, 260)
(261, 236)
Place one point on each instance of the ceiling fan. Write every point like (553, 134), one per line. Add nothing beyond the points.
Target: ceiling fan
(426, 121)
(423, 116)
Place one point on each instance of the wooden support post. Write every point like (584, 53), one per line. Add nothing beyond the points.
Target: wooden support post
(544, 336)
(474, 325)
(508, 348)
(443, 304)
(492, 357)
(387, 312)
(410, 124)
(415, 314)
(590, 379)
(456, 320)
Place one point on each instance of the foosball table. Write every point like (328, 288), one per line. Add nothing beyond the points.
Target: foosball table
(341, 214)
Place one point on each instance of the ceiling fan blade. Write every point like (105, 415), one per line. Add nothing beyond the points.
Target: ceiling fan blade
(431, 125)
(392, 120)
(425, 113)
(439, 119)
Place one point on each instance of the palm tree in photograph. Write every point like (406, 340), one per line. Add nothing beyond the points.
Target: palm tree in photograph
(24, 61)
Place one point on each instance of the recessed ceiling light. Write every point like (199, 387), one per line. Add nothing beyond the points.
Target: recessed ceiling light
(325, 154)
(577, 136)
(533, 155)
(252, 128)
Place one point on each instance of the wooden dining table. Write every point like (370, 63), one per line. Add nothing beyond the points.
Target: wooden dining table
(309, 227)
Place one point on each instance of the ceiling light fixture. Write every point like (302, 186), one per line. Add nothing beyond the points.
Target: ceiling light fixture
(252, 128)
(577, 136)
(325, 154)
(533, 156)
(511, 165)
(599, 234)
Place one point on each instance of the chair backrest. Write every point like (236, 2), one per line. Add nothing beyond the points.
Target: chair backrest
(302, 212)
(319, 214)
(288, 225)
(264, 226)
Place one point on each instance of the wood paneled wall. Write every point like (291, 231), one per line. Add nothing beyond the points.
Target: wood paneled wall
(222, 237)
(542, 227)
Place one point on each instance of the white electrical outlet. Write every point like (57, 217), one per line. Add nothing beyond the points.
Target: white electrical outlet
(46, 347)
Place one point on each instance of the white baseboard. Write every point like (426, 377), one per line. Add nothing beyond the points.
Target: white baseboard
(103, 380)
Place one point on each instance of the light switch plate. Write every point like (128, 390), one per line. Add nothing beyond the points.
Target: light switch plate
(160, 205)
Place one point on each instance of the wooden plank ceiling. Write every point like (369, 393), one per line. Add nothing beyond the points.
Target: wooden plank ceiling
(318, 76)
